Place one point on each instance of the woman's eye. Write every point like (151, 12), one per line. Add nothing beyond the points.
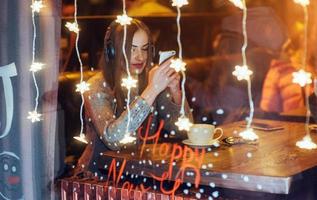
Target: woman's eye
(145, 49)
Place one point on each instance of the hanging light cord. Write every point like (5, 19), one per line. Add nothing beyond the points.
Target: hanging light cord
(244, 60)
(182, 111)
(81, 73)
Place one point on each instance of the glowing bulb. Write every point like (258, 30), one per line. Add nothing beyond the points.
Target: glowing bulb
(249, 134)
(178, 65)
(179, 3)
(34, 116)
(242, 72)
(36, 66)
(36, 6)
(81, 138)
(129, 82)
(183, 123)
(127, 139)
(124, 19)
(302, 2)
(306, 143)
(82, 87)
(302, 78)
(237, 3)
(72, 27)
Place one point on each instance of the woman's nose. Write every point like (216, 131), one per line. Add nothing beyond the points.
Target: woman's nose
(139, 55)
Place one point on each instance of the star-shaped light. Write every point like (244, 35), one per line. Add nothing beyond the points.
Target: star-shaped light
(36, 66)
(306, 143)
(129, 82)
(183, 123)
(248, 134)
(302, 2)
(34, 116)
(237, 3)
(127, 139)
(82, 87)
(179, 3)
(81, 138)
(242, 72)
(72, 27)
(36, 6)
(178, 65)
(302, 78)
(124, 19)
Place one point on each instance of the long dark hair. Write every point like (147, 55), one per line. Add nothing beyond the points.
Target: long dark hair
(113, 68)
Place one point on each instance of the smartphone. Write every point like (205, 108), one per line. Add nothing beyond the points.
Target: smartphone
(165, 55)
(264, 127)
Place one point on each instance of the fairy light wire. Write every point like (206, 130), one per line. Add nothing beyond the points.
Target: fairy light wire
(180, 55)
(128, 82)
(128, 72)
(33, 59)
(81, 74)
(183, 123)
(244, 60)
(306, 142)
(304, 65)
(34, 116)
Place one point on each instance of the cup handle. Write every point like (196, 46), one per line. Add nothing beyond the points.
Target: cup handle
(221, 133)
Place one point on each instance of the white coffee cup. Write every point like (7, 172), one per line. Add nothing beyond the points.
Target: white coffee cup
(203, 133)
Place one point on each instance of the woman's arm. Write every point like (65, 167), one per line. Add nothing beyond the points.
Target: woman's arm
(100, 106)
(100, 110)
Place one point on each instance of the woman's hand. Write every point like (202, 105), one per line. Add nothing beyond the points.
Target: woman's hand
(159, 78)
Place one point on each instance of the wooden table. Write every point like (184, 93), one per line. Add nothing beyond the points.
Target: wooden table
(271, 166)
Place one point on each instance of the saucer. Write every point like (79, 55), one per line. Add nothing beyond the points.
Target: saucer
(209, 144)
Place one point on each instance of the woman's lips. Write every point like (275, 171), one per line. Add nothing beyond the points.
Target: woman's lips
(137, 66)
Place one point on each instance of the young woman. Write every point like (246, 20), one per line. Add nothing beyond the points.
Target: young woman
(158, 93)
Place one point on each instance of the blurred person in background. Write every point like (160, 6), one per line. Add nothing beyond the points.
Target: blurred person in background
(279, 93)
(266, 34)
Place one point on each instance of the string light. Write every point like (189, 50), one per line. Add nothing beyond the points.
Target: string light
(124, 20)
(248, 134)
(179, 3)
(72, 27)
(37, 6)
(302, 77)
(237, 3)
(129, 82)
(183, 123)
(127, 139)
(37, 66)
(81, 138)
(302, 2)
(242, 72)
(306, 143)
(34, 116)
(178, 65)
(82, 87)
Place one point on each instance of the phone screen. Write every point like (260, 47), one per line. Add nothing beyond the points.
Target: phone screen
(164, 55)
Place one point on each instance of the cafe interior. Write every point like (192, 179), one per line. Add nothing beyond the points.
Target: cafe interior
(243, 125)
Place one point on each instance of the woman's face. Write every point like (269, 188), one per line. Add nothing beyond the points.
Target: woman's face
(139, 52)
